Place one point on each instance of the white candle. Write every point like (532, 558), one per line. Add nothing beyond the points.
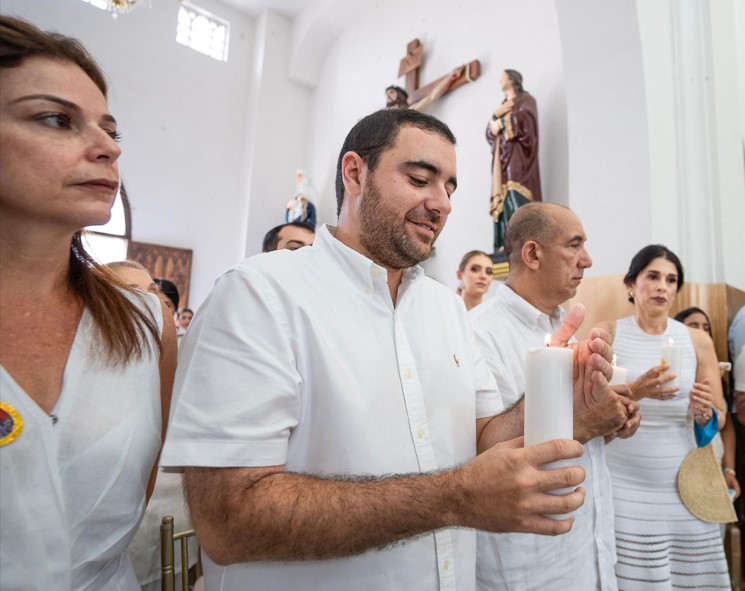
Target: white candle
(549, 404)
(620, 374)
(672, 356)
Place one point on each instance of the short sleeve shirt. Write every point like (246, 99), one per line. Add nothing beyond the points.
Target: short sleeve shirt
(301, 359)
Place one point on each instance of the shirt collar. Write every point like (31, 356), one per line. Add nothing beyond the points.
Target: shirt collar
(360, 268)
(529, 314)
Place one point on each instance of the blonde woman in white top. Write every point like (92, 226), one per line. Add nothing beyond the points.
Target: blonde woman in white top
(475, 277)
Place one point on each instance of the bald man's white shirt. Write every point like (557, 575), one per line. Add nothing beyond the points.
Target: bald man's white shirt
(506, 327)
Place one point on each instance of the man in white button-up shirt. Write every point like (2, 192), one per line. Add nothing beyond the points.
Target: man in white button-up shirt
(331, 401)
(546, 248)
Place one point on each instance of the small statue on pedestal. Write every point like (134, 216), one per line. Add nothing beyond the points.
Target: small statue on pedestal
(300, 208)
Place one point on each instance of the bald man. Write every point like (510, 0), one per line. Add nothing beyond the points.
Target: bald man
(546, 248)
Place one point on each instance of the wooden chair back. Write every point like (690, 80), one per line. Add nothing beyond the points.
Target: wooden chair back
(168, 541)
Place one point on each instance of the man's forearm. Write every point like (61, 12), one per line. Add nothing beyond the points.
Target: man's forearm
(287, 516)
(251, 514)
(502, 427)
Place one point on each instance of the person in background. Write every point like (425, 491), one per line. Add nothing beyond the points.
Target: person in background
(134, 275)
(168, 496)
(184, 319)
(168, 292)
(87, 398)
(475, 277)
(695, 318)
(736, 344)
(288, 237)
(546, 246)
(738, 383)
(656, 534)
(726, 440)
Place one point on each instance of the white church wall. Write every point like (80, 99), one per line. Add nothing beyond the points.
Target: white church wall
(365, 58)
(729, 123)
(607, 122)
(182, 116)
(277, 131)
(693, 90)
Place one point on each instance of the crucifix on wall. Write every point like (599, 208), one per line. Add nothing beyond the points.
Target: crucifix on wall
(419, 98)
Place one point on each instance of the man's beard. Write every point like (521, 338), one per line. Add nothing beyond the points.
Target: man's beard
(385, 236)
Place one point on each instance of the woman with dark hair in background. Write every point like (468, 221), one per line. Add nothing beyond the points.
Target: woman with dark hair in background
(695, 318)
(86, 397)
(169, 293)
(475, 277)
(660, 543)
(726, 444)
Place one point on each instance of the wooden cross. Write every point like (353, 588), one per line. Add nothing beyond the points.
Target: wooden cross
(410, 68)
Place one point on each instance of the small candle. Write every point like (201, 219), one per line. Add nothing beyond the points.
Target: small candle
(672, 356)
(549, 404)
(620, 374)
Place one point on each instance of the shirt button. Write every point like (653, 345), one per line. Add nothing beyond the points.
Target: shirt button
(408, 374)
(446, 565)
(368, 290)
(375, 272)
(420, 434)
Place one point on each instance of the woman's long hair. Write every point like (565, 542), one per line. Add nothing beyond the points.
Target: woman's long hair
(123, 327)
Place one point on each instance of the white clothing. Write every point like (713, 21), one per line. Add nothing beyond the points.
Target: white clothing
(506, 327)
(144, 550)
(736, 333)
(300, 358)
(661, 546)
(73, 492)
(738, 371)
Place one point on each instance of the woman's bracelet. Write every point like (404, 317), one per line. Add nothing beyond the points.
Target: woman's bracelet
(727, 470)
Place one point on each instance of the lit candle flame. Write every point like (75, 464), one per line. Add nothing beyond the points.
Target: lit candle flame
(670, 342)
(547, 340)
(613, 363)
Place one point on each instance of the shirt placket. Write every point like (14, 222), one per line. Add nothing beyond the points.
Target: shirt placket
(603, 513)
(421, 436)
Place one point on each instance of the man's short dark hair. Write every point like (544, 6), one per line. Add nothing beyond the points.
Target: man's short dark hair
(377, 133)
(169, 289)
(272, 236)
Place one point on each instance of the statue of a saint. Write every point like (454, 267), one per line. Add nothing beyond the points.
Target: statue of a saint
(512, 133)
(300, 208)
